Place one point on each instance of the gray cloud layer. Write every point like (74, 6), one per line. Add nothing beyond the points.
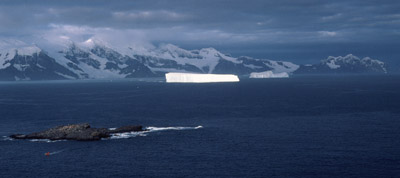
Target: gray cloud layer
(253, 27)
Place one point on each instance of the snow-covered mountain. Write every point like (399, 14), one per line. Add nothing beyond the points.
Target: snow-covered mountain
(94, 58)
(346, 64)
(29, 62)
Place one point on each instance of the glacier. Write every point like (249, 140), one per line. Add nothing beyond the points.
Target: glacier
(199, 78)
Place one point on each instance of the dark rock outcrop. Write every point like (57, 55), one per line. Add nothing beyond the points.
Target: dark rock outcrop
(81, 132)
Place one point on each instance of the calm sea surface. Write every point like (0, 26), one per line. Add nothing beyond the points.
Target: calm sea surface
(298, 127)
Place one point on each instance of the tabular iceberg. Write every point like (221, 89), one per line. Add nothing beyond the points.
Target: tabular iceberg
(269, 74)
(199, 78)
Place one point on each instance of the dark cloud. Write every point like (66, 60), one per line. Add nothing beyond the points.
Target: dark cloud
(255, 27)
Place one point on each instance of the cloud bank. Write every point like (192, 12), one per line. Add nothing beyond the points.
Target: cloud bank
(250, 26)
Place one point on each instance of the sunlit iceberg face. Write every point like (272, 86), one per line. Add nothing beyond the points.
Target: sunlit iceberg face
(199, 78)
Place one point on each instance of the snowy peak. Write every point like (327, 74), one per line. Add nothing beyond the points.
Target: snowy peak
(29, 62)
(204, 60)
(10, 50)
(348, 60)
(94, 42)
(172, 52)
(347, 64)
(17, 47)
(210, 52)
(94, 58)
(334, 62)
(168, 58)
(261, 65)
(28, 51)
(213, 53)
(281, 66)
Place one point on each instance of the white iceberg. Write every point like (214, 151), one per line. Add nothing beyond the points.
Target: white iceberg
(269, 74)
(199, 78)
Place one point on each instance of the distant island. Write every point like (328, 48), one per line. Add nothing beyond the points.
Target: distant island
(79, 132)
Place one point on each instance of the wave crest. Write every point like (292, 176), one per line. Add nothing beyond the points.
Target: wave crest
(149, 130)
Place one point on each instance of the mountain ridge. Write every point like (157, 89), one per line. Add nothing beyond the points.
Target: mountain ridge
(344, 65)
(97, 59)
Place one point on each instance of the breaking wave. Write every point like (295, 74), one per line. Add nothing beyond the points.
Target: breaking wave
(149, 130)
(154, 129)
(56, 152)
(5, 138)
(45, 140)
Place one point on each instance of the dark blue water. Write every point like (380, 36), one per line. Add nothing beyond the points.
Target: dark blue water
(297, 127)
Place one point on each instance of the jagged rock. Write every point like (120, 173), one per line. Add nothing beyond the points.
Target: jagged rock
(81, 132)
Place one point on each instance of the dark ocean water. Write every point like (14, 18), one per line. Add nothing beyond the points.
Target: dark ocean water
(298, 127)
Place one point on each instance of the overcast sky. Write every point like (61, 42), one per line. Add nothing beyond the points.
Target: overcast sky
(300, 31)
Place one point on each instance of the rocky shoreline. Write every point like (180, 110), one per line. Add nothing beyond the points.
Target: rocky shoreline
(80, 132)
